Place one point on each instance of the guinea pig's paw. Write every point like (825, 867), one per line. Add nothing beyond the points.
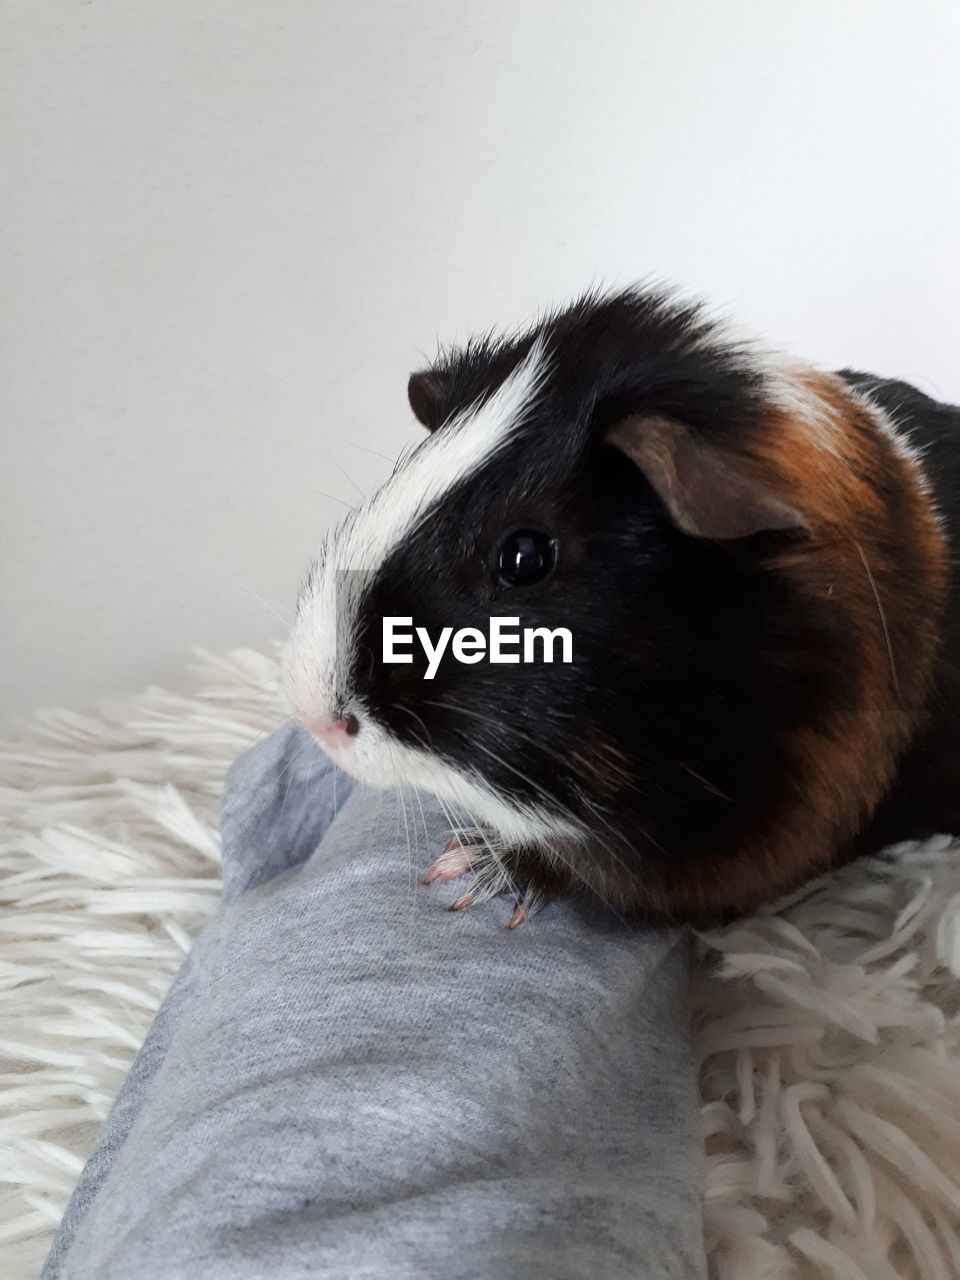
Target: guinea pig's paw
(479, 853)
(494, 869)
(457, 857)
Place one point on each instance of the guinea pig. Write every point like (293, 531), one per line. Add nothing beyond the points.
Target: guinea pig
(753, 559)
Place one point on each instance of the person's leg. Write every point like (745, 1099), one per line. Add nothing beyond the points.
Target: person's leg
(279, 798)
(360, 1083)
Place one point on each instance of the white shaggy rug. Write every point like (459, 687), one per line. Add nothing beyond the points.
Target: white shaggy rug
(828, 1031)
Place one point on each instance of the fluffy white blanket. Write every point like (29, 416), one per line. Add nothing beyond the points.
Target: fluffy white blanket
(828, 1031)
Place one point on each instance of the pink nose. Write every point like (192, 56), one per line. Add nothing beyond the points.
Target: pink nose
(333, 733)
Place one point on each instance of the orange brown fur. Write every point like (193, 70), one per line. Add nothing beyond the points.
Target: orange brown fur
(873, 531)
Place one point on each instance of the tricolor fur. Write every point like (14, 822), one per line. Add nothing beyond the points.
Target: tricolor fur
(756, 574)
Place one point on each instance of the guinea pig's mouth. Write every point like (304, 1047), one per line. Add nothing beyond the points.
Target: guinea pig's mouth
(367, 751)
(334, 734)
(358, 745)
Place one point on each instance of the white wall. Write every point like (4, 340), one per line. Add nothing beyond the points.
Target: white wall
(232, 226)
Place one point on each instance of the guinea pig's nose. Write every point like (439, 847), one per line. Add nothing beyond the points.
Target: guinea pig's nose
(333, 733)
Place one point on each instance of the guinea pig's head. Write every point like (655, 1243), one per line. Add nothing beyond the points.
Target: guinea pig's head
(605, 482)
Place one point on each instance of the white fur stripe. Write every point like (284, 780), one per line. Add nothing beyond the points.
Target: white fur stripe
(375, 757)
(442, 461)
(321, 648)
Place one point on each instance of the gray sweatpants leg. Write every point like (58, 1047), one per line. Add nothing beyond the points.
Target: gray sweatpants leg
(347, 1080)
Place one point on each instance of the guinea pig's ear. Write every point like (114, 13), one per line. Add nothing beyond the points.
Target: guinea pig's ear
(424, 391)
(705, 494)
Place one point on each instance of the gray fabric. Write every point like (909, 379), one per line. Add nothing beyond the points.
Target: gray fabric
(348, 1080)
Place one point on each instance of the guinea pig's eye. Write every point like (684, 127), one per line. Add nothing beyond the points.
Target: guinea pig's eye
(525, 557)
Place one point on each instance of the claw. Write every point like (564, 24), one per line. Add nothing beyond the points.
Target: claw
(518, 917)
(463, 902)
(528, 906)
(452, 863)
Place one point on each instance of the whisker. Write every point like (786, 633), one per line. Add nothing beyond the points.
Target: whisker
(883, 618)
(267, 728)
(708, 785)
(333, 498)
(558, 852)
(426, 834)
(452, 824)
(286, 794)
(341, 468)
(540, 746)
(419, 719)
(553, 800)
(274, 609)
(366, 449)
(519, 733)
(398, 787)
